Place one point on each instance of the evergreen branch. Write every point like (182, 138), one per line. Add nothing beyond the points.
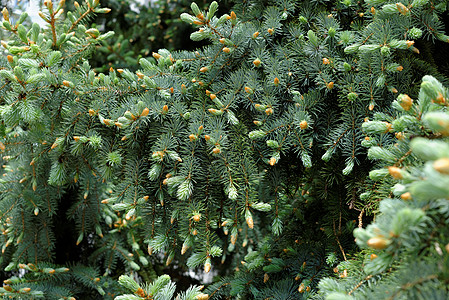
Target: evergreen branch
(339, 138)
(360, 284)
(219, 288)
(53, 28)
(412, 284)
(400, 160)
(8, 210)
(48, 241)
(80, 18)
(338, 242)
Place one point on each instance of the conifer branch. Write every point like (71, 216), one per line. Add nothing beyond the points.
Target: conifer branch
(80, 18)
(412, 284)
(360, 284)
(338, 242)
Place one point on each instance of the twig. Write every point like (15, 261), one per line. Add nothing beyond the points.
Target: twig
(411, 284)
(338, 242)
(219, 288)
(79, 19)
(360, 284)
(53, 28)
(360, 218)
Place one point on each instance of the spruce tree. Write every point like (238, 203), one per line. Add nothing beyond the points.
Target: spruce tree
(407, 248)
(250, 151)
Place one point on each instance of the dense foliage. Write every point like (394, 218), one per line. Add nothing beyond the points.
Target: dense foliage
(141, 28)
(246, 157)
(410, 232)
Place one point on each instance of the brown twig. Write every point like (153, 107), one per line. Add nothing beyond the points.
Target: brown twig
(223, 285)
(360, 218)
(360, 283)
(399, 162)
(53, 28)
(338, 242)
(411, 284)
(79, 19)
